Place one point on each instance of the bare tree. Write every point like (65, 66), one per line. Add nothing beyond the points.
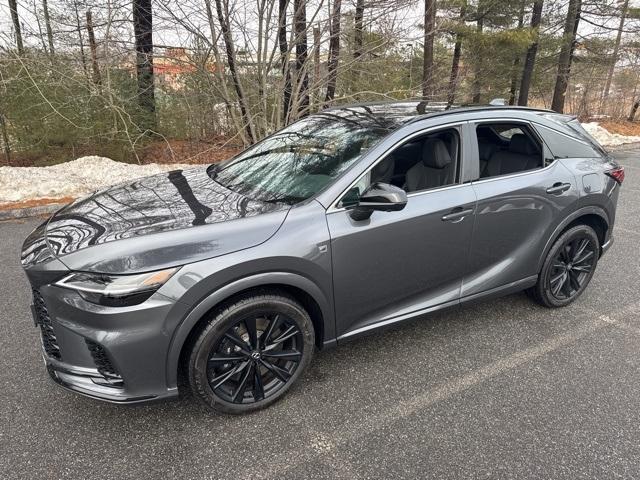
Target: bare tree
(47, 23)
(516, 61)
(429, 35)
(566, 55)
(284, 57)
(455, 62)
(143, 31)
(225, 25)
(477, 70)
(530, 58)
(78, 26)
(302, 76)
(94, 50)
(358, 21)
(616, 48)
(334, 51)
(13, 8)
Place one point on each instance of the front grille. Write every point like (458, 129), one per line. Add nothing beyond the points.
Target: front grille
(49, 340)
(103, 363)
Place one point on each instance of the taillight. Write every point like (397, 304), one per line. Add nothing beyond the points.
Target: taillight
(617, 174)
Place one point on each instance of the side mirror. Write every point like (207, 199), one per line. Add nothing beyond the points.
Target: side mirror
(379, 196)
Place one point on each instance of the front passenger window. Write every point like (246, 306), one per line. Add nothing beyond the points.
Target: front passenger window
(428, 161)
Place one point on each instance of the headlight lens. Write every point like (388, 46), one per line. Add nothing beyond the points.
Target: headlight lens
(116, 290)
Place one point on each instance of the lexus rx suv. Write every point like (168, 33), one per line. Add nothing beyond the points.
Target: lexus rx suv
(352, 219)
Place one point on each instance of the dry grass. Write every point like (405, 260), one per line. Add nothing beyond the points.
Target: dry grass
(622, 127)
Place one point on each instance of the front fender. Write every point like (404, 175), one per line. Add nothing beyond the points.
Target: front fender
(185, 327)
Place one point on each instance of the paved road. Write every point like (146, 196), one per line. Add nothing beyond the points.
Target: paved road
(504, 389)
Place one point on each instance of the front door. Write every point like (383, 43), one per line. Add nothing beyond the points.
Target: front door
(397, 263)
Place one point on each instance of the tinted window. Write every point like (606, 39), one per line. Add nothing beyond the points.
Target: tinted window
(564, 146)
(507, 148)
(428, 161)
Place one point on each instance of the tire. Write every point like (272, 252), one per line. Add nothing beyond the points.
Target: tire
(234, 370)
(568, 268)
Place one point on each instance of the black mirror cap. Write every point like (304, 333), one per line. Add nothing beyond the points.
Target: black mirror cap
(382, 197)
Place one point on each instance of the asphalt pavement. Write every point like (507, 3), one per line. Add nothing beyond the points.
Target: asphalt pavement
(501, 389)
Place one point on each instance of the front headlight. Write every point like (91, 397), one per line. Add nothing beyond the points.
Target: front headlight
(116, 290)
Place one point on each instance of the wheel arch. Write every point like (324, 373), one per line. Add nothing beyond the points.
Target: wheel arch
(301, 288)
(593, 216)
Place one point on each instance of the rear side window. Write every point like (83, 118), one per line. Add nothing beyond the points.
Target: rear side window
(507, 148)
(565, 146)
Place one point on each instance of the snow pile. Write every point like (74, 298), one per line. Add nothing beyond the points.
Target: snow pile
(604, 137)
(72, 179)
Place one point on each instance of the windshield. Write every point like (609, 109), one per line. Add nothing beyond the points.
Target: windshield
(300, 160)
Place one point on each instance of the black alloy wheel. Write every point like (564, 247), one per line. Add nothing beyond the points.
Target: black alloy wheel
(571, 267)
(568, 267)
(255, 358)
(251, 352)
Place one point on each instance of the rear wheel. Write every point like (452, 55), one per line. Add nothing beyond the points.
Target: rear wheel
(568, 268)
(250, 353)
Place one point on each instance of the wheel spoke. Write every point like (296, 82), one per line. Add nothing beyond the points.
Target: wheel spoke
(283, 355)
(281, 373)
(258, 389)
(220, 379)
(573, 280)
(288, 333)
(582, 268)
(250, 323)
(566, 287)
(226, 358)
(241, 386)
(584, 258)
(584, 243)
(272, 326)
(557, 264)
(561, 281)
(556, 278)
(233, 338)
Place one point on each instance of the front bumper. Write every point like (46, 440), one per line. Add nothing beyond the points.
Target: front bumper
(607, 245)
(115, 354)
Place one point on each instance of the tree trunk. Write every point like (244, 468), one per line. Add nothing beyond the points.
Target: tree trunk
(83, 57)
(530, 59)
(143, 31)
(334, 51)
(516, 61)
(455, 63)
(284, 58)
(47, 23)
(5, 139)
(13, 8)
(477, 86)
(94, 50)
(634, 109)
(302, 76)
(616, 48)
(316, 65)
(358, 37)
(223, 18)
(566, 55)
(427, 59)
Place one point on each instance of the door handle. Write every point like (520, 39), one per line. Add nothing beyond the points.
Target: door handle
(457, 215)
(558, 188)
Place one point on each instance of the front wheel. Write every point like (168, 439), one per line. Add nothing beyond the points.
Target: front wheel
(251, 352)
(568, 267)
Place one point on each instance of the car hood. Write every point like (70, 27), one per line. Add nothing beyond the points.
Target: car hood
(163, 220)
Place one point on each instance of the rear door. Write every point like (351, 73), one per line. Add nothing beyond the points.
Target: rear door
(516, 211)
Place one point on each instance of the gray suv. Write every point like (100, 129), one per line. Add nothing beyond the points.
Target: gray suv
(350, 220)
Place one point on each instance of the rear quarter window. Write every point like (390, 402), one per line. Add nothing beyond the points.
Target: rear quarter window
(564, 146)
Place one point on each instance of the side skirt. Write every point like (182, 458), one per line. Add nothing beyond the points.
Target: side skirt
(493, 293)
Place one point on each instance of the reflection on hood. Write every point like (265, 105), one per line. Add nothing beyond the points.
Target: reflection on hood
(169, 201)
